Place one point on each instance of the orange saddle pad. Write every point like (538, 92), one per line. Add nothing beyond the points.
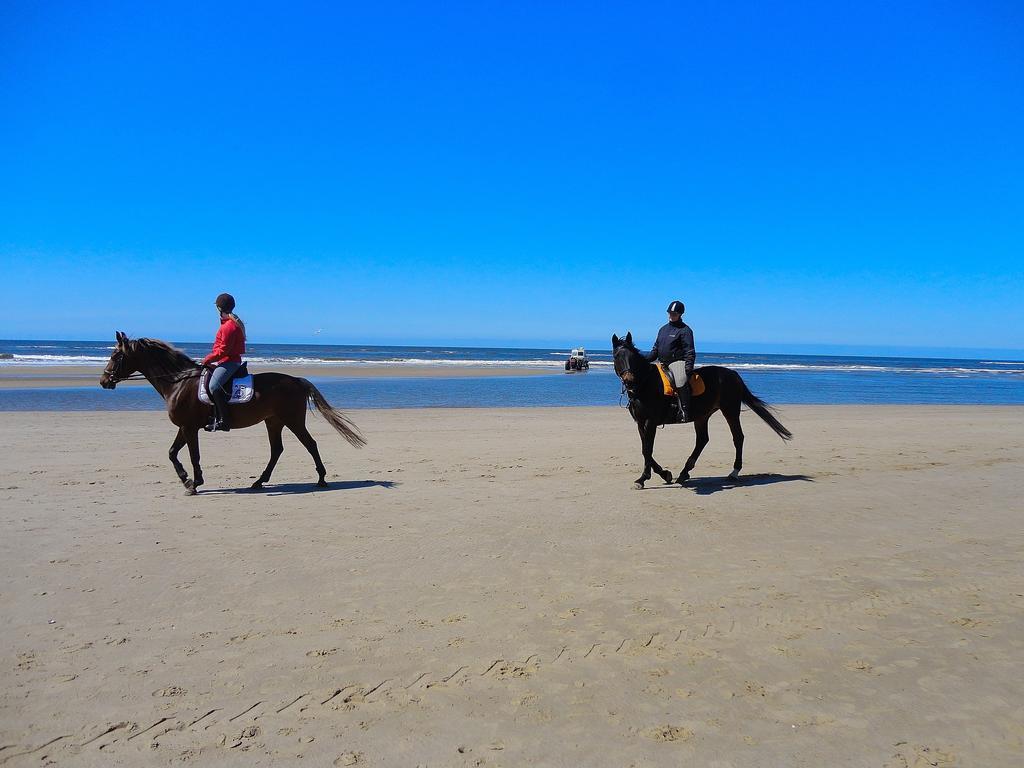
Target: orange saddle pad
(696, 383)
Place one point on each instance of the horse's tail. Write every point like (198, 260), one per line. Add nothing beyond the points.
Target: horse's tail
(337, 419)
(762, 409)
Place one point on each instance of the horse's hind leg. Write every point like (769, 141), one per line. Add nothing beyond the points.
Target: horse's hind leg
(733, 417)
(274, 428)
(179, 440)
(300, 431)
(701, 428)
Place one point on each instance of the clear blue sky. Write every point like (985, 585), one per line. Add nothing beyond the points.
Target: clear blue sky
(805, 175)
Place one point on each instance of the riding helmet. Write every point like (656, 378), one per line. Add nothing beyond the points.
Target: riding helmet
(225, 302)
(676, 306)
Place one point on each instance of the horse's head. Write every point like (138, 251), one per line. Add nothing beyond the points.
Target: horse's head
(120, 366)
(627, 360)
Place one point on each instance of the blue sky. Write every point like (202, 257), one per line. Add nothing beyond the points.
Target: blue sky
(806, 176)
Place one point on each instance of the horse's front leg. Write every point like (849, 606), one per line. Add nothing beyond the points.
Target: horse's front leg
(179, 440)
(663, 473)
(193, 454)
(648, 430)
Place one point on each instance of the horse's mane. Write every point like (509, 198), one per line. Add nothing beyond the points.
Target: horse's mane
(160, 358)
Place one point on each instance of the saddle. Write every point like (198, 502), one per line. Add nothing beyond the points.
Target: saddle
(696, 383)
(242, 388)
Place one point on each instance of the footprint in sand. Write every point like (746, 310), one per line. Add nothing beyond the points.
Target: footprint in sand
(238, 740)
(171, 690)
(669, 733)
(508, 670)
(755, 689)
(321, 652)
(26, 660)
(919, 756)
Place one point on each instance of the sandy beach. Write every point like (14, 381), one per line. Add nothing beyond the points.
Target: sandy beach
(484, 588)
(24, 377)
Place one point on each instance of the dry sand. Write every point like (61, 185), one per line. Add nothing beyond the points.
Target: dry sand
(485, 588)
(25, 377)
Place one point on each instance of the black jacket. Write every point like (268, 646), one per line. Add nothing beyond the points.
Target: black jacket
(675, 342)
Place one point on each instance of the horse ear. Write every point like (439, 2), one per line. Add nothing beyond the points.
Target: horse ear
(629, 338)
(615, 341)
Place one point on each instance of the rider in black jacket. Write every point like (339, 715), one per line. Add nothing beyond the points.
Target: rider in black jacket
(674, 349)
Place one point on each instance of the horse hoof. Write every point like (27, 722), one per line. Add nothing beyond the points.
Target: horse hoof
(638, 486)
(667, 477)
(322, 484)
(190, 488)
(734, 475)
(682, 479)
(257, 486)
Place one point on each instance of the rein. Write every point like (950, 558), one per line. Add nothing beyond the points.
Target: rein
(180, 375)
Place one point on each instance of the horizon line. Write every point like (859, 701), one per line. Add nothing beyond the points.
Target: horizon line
(711, 347)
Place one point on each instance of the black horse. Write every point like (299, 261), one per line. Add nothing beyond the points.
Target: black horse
(650, 408)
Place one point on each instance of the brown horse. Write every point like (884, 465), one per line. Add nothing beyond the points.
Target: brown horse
(279, 400)
(725, 390)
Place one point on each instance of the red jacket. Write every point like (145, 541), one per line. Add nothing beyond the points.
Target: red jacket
(229, 346)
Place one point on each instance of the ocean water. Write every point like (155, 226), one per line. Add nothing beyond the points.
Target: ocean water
(779, 379)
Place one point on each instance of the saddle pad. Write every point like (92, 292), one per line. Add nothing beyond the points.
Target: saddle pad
(242, 389)
(666, 382)
(696, 383)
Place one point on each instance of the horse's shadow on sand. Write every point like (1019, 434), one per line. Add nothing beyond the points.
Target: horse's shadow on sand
(705, 486)
(298, 489)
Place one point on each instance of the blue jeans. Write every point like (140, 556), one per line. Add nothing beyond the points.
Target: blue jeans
(222, 375)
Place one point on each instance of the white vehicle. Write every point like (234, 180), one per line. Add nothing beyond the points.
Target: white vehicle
(578, 360)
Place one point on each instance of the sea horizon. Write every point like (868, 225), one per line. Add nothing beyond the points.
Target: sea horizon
(12, 352)
(778, 378)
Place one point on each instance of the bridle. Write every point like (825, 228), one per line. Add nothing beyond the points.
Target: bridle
(628, 391)
(115, 364)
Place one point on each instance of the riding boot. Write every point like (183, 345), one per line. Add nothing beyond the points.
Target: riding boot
(683, 398)
(214, 423)
(220, 405)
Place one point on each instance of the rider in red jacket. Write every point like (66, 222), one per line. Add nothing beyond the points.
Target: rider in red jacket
(225, 359)
(229, 344)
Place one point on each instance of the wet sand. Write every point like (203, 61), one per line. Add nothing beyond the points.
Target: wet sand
(26, 377)
(484, 588)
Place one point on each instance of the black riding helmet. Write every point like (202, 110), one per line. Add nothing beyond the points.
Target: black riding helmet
(225, 302)
(676, 306)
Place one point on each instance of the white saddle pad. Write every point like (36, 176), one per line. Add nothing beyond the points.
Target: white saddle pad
(242, 389)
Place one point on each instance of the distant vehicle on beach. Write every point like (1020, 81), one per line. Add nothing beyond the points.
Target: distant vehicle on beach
(578, 361)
